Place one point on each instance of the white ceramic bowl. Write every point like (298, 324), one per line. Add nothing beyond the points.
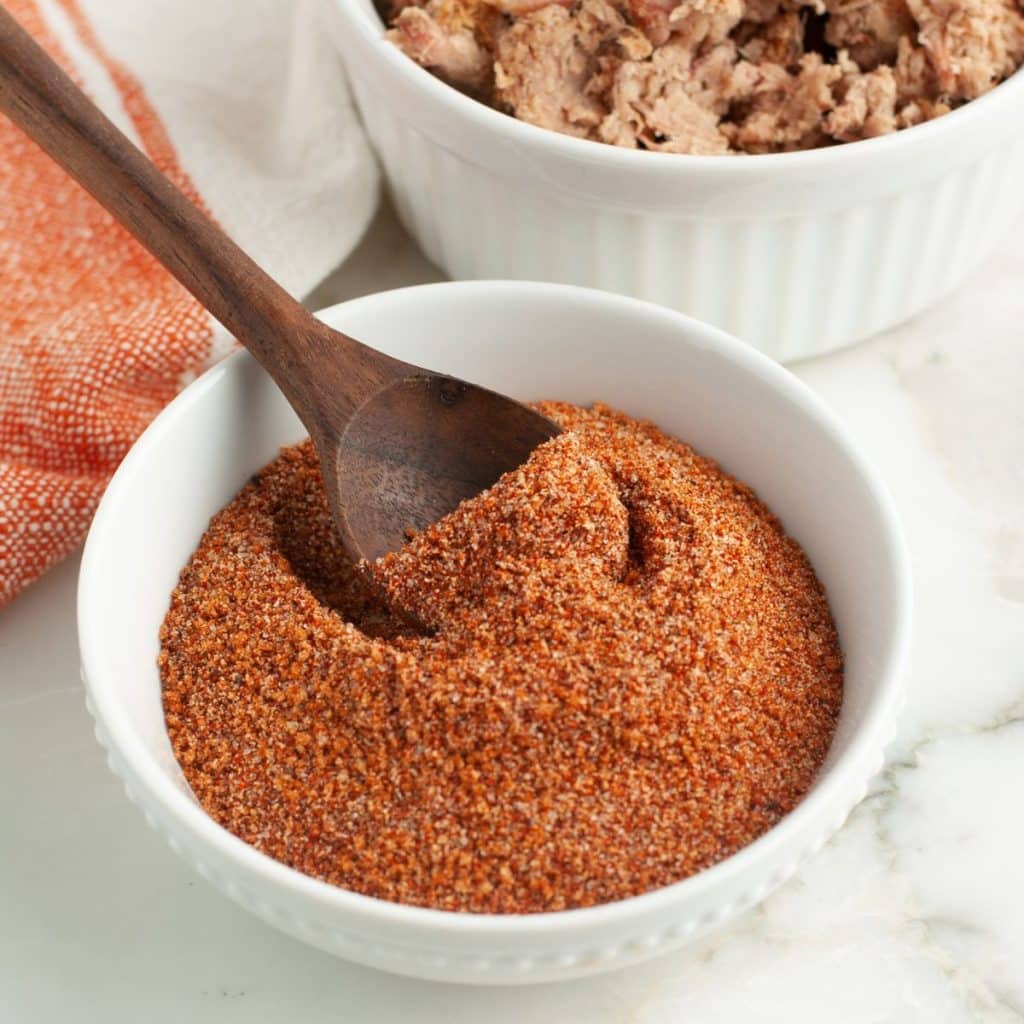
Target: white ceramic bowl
(531, 341)
(796, 253)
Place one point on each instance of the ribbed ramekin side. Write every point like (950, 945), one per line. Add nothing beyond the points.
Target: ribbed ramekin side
(792, 286)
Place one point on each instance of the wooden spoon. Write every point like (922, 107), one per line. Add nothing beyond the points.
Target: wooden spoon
(399, 446)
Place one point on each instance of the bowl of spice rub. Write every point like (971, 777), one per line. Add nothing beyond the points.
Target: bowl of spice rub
(800, 173)
(593, 713)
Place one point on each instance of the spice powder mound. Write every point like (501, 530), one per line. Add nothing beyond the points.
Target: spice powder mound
(621, 671)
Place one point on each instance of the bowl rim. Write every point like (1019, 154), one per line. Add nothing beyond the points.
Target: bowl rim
(367, 22)
(147, 771)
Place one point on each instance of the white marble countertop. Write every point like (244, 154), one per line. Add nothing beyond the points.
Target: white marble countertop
(914, 912)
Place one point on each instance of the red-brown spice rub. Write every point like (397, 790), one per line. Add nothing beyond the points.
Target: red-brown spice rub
(622, 671)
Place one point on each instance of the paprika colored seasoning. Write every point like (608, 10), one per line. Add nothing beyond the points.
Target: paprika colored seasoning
(609, 671)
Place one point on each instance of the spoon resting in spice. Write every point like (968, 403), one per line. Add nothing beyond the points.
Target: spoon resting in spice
(399, 446)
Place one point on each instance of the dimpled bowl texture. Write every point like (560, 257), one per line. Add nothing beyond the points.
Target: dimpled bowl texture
(796, 253)
(531, 341)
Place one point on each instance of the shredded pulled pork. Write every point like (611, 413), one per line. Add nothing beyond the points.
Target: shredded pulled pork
(717, 76)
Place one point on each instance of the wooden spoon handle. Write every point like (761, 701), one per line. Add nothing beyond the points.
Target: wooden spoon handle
(41, 99)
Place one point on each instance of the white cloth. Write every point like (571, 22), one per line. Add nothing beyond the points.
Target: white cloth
(254, 98)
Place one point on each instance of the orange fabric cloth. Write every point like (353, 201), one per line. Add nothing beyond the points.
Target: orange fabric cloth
(95, 337)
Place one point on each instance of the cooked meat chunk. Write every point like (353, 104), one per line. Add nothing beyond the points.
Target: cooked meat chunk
(972, 44)
(451, 52)
(782, 110)
(867, 107)
(869, 30)
(544, 61)
(672, 102)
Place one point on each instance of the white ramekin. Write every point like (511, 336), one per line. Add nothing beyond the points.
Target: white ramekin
(531, 341)
(795, 253)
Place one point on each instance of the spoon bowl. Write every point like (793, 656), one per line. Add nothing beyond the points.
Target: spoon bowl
(416, 449)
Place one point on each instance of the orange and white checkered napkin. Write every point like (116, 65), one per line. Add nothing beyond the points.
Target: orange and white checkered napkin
(242, 104)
